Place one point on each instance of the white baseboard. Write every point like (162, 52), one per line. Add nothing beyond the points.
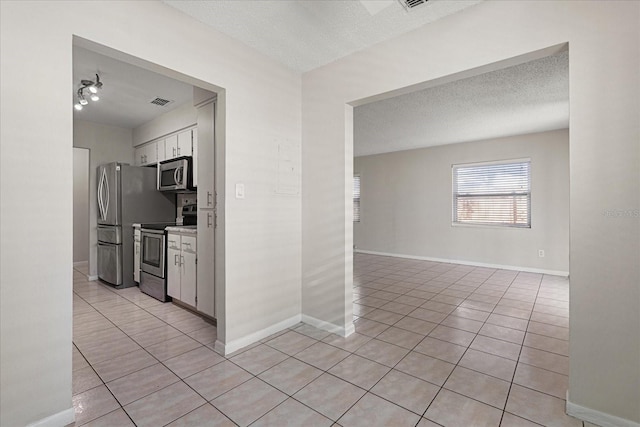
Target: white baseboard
(62, 418)
(472, 263)
(92, 278)
(239, 343)
(596, 417)
(343, 331)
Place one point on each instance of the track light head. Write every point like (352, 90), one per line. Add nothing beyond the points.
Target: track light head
(92, 88)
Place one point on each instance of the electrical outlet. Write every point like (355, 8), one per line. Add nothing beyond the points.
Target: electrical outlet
(540, 253)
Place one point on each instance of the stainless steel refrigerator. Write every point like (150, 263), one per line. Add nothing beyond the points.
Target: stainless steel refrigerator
(126, 195)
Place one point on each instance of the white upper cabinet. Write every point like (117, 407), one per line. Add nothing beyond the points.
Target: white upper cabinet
(183, 144)
(206, 159)
(194, 148)
(176, 145)
(171, 147)
(146, 154)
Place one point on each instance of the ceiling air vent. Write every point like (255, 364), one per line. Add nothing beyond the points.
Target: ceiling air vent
(160, 101)
(410, 4)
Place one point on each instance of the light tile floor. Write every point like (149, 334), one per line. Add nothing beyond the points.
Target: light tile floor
(435, 344)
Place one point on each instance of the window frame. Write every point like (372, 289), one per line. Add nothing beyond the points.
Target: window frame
(484, 224)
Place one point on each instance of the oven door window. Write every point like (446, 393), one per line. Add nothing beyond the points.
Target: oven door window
(152, 250)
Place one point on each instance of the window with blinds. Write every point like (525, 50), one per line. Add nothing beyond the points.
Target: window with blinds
(356, 198)
(496, 193)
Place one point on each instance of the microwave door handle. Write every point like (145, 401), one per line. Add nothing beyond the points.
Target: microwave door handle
(177, 176)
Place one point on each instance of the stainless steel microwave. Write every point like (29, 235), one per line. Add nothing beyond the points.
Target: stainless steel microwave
(176, 175)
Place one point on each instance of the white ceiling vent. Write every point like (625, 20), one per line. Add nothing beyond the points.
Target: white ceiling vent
(160, 101)
(410, 4)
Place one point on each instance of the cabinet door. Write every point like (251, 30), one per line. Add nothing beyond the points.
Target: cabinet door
(173, 265)
(160, 147)
(139, 155)
(171, 147)
(206, 159)
(205, 267)
(184, 144)
(136, 256)
(188, 284)
(194, 148)
(152, 154)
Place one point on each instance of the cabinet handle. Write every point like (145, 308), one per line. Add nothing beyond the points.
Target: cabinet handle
(208, 219)
(175, 259)
(178, 151)
(181, 260)
(174, 151)
(209, 198)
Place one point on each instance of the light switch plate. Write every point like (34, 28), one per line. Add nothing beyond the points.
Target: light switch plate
(239, 191)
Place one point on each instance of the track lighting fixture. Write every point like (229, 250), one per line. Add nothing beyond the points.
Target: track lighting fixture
(90, 86)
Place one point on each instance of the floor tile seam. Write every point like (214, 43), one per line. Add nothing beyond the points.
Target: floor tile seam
(550, 305)
(523, 417)
(394, 403)
(516, 367)
(129, 373)
(477, 400)
(548, 336)
(321, 369)
(547, 314)
(184, 415)
(116, 400)
(282, 403)
(146, 395)
(280, 351)
(500, 339)
(543, 369)
(541, 349)
(541, 392)
(537, 367)
(195, 373)
(140, 347)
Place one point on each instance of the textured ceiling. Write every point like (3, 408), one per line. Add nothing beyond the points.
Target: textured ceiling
(305, 35)
(127, 91)
(531, 97)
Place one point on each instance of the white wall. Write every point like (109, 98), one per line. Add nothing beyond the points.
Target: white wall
(106, 144)
(604, 62)
(406, 204)
(80, 205)
(182, 117)
(262, 231)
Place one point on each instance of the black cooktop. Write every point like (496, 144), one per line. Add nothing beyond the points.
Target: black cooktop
(158, 225)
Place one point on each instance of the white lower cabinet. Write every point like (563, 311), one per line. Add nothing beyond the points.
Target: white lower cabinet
(181, 267)
(206, 266)
(136, 255)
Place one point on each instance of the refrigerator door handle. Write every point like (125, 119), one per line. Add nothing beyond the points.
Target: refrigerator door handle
(106, 205)
(100, 201)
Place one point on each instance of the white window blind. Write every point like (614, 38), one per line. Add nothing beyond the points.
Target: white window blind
(356, 198)
(497, 193)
